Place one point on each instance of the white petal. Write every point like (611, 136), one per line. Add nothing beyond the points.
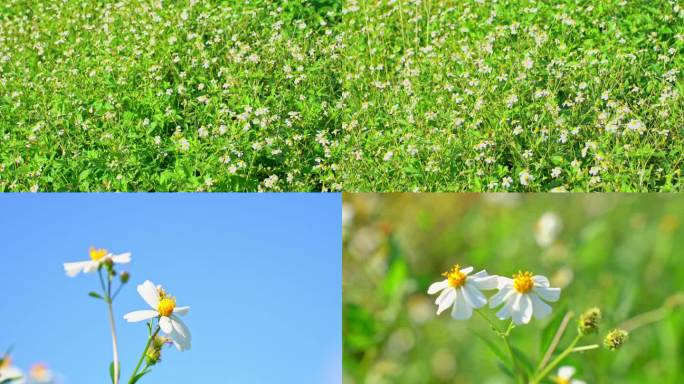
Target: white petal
(438, 286)
(180, 343)
(149, 293)
(180, 327)
(504, 282)
(566, 372)
(462, 309)
(578, 382)
(91, 267)
(548, 294)
(123, 258)
(500, 297)
(474, 296)
(181, 334)
(540, 280)
(526, 307)
(467, 270)
(165, 324)
(445, 300)
(521, 311)
(540, 308)
(485, 282)
(136, 316)
(181, 310)
(505, 311)
(72, 269)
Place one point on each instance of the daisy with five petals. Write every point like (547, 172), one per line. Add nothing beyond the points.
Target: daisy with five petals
(524, 297)
(97, 257)
(165, 310)
(462, 290)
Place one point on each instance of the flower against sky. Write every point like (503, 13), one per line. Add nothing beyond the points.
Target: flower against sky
(564, 376)
(524, 296)
(164, 308)
(97, 257)
(462, 291)
(40, 374)
(8, 371)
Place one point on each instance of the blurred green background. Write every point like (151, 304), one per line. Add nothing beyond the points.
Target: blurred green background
(621, 252)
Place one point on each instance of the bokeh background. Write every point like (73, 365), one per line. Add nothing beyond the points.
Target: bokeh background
(620, 252)
(260, 272)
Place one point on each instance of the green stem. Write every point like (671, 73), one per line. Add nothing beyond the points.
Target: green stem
(518, 371)
(585, 348)
(142, 357)
(505, 335)
(556, 361)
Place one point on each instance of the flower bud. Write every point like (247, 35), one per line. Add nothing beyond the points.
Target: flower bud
(108, 263)
(124, 276)
(153, 354)
(589, 321)
(615, 338)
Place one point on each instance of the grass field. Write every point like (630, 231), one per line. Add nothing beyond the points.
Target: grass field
(341, 95)
(620, 253)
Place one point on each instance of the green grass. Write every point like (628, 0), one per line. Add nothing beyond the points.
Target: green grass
(341, 95)
(618, 252)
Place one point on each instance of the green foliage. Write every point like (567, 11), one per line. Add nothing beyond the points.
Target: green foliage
(146, 95)
(619, 253)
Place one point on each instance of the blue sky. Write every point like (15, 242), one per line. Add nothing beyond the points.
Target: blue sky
(261, 273)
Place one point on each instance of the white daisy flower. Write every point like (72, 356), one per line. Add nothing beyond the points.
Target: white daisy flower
(523, 296)
(39, 373)
(525, 178)
(548, 227)
(97, 257)
(8, 371)
(164, 308)
(462, 291)
(565, 374)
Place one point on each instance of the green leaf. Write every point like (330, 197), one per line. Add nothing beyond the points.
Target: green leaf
(495, 348)
(523, 361)
(111, 371)
(550, 330)
(504, 368)
(95, 295)
(137, 377)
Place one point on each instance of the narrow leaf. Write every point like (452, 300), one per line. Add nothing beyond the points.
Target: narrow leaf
(95, 295)
(495, 348)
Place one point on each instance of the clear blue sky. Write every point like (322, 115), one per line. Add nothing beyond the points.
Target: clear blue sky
(261, 273)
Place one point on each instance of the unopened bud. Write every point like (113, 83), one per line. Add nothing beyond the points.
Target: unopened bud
(124, 276)
(615, 338)
(589, 321)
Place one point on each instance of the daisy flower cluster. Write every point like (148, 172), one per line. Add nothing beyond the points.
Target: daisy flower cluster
(37, 374)
(347, 95)
(518, 300)
(163, 322)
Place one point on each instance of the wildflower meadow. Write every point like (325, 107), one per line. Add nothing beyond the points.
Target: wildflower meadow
(511, 288)
(321, 95)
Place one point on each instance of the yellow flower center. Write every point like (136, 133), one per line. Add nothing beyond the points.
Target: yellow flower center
(522, 282)
(38, 372)
(97, 254)
(455, 276)
(560, 380)
(6, 362)
(166, 306)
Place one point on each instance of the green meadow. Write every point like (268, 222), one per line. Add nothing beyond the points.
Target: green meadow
(327, 95)
(620, 253)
